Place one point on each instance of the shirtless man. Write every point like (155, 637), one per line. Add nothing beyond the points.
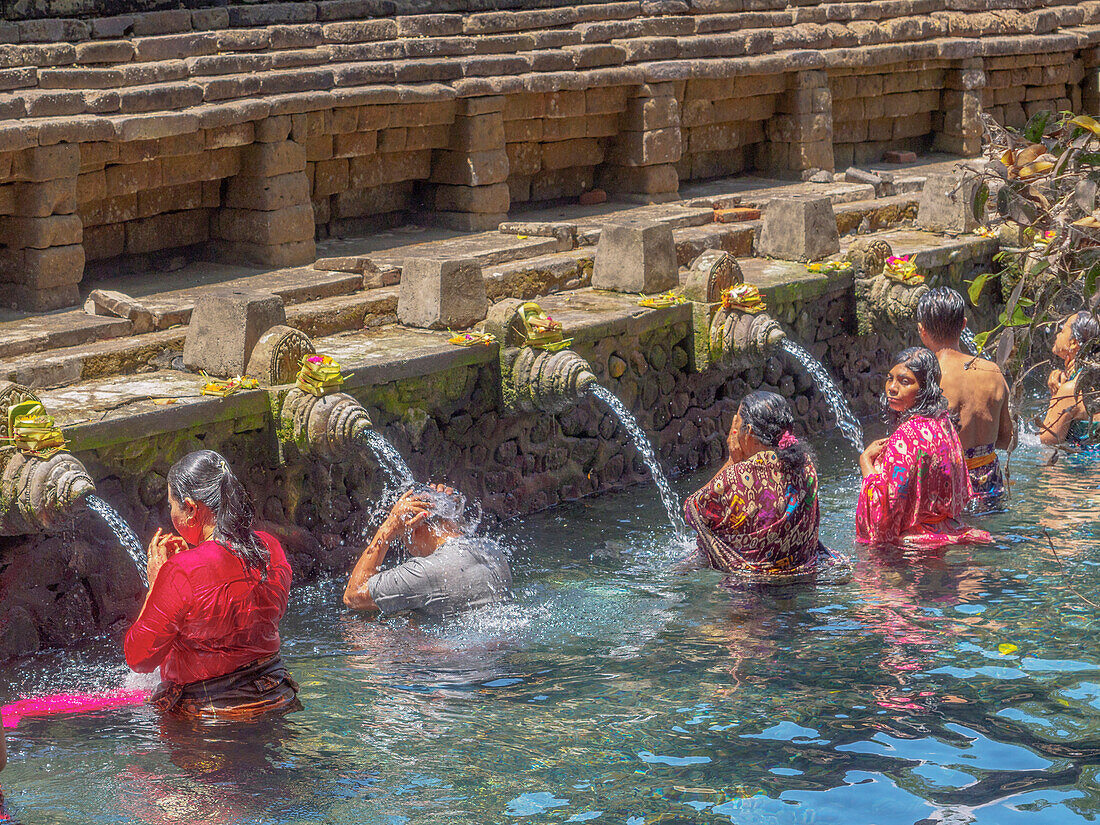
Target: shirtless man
(976, 390)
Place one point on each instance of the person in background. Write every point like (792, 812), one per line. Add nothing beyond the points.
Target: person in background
(976, 393)
(217, 591)
(915, 483)
(759, 515)
(449, 571)
(1067, 421)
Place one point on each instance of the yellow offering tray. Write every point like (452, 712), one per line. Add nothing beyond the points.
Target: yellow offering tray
(829, 266)
(902, 269)
(744, 297)
(667, 299)
(32, 431)
(223, 388)
(540, 331)
(319, 375)
(472, 339)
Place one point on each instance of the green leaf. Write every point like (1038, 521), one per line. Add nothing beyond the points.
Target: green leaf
(981, 338)
(1037, 126)
(1019, 317)
(1090, 278)
(981, 198)
(1091, 158)
(976, 286)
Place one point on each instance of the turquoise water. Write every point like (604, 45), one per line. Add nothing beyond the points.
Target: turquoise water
(952, 687)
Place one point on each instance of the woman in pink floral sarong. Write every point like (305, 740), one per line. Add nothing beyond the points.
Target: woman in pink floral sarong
(915, 483)
(758, 517)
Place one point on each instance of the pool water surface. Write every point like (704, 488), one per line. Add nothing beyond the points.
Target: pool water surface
(960, 686)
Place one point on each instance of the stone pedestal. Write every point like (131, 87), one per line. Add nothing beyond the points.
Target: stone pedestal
(41, 252)
(636, 257)
(947, 203)
(438, 294)
(225, 326)
(958, 126)
(470, 175)
(642, 160)
(800, 135)
(799, 228)
(267, 216)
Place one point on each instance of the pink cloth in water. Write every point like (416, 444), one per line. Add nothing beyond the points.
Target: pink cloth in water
(60, 703)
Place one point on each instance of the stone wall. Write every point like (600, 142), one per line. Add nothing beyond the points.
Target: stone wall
(242, 132)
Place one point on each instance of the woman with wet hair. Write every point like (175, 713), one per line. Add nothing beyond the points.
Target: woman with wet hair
(915, 482)
(1067, 420)
(759, 515)
(217, 590)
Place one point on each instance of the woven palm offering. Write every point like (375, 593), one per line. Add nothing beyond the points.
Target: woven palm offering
(319, 375)
(32, 431)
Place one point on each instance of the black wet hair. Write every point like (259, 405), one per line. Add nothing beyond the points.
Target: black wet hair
(451, 508)
(926, 369)
(1084, 327)
(768, 416)
(942, 313)
(205, 476)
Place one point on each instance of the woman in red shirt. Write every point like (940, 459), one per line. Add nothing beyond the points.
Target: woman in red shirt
(217, 591)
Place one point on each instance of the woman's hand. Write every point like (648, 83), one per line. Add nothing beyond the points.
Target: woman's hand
(1055, 380)
(870, 455)
(161, 548)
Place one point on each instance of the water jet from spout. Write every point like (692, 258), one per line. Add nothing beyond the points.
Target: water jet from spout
(848, 423)
(125, 534)
(638, 436)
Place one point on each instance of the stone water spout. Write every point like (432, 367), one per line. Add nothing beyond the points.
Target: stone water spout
(327, 426)
(36, 491)
(882, 298)
(538, 372)
(727, 308)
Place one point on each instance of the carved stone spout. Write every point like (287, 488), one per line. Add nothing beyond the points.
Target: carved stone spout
(734, 332)
(36, 493)
(327, 427)
(537, 373)
(548, 381)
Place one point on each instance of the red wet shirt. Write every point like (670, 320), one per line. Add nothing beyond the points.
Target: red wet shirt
(207, 616)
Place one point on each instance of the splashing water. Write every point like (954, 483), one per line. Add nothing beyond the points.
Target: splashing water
(125, 534)
(967, 338)
(848, 423)
(389, 459)
(638, 436)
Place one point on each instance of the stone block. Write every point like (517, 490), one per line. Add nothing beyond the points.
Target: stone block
(636, 256)
(800, 228)
(40, 233)
(653, 113)
(470, 168)
(43, 269)
(225, 326)
(279, 226)
(294, 253)
(44, 163)
(51, 197)
(441, 294)
(644, 180)
(270, 159)
(477, 133)
(647, 148)
(493, 199)
(947, 203)
(119, 305)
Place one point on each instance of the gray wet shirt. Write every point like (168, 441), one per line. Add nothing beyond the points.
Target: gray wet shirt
(462, 574)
